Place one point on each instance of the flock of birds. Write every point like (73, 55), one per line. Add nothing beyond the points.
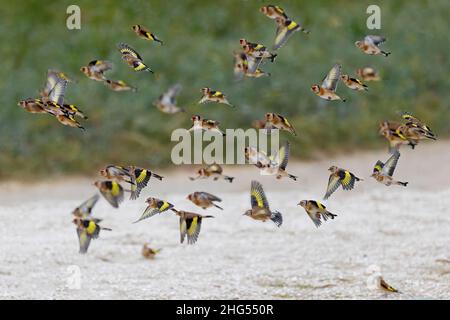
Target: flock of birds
(247, 63)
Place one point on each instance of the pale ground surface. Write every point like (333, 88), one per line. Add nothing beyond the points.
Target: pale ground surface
(403, 231)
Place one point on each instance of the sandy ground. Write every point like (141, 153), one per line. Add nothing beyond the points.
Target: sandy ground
(403, 232)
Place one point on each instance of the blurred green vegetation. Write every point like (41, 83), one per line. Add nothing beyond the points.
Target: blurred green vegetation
(199, 38)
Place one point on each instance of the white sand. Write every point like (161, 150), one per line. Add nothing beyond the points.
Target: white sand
(403, 231)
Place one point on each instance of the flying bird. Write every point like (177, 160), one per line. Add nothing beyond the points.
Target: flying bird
(214, 171)
(167, 101)
(204, 199)
(327, 90)
(154, 206)
(370, 45)
(316, 211)
(119, 85)
(87, 229)
(132, 58)
(382, 172)
(143, 33)
(209, 95)
(96, 69)
(85, 209)
(190, 225)
(277, 121)
(260, 206)
(353, 83)
(368, 74)
(340, 177)
(112, 191)
(199, 123)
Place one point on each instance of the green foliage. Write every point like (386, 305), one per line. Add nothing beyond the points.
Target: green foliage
(199, 38)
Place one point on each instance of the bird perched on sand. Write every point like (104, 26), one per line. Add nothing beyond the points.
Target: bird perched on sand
(154, 206)
(383, 285)
(87, 229)
(214, 171)
(190, 225)
(119, 85)
(368, 74)
(112, 191)
(353, 83)
(376, 281)
(328, 89)
(204, 199)
(143, 33)
(132, 58)
(96, 69)
(260, 206)
(148, 252)
(209, 95)
(167, 101)
(382, 172)
(140, 178)
(340, 177)
(205, 124)
(370, 45)
(85, 209)
(316, 211)
(277, 121)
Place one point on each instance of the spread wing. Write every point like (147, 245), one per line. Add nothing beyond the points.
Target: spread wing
(283, 155)
(193, 226)
(57, 93)
(84, 239)
(376, 40)
(114, 196)
(333, 183)
(52, 79)
(150, 212)
(183, 229)
(100, 65)
(285, 28)
(86, 207)
(347, 180)
(257, 196)
(391, 164)
(331, 80)
(169, 96)
(127, 50)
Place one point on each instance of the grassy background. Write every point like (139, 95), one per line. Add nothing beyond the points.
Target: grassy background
(199, 38)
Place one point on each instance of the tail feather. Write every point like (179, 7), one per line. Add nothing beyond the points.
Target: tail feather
(277, 218)
(215, 205)
(292, 177)
(157, 176)
(272, 58)
(402, 183)
(330, 215)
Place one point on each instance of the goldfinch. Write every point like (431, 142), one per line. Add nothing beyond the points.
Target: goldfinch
(198, 123)
(190, 225)
(132, 58)
(143, 33)
(85, 209)
(70, 121)
(368, 74)
(382, 172)
(119, 85)
(247, 66)
(154, 206)
(214, 171)
(370, 45)
(328, 89)
(413, 122)
(260, 207)
(87, 229)
(257, 158)
(52, 77)
(32, 105)
(316, 211)
(340, 177)
(383, 285)
(149, 253)
(209, 95)
(140, 178)
(256, 50)
(96, 69)
(167, 101)
(353, 83)
(277, 121)
(278, 165)
(394, 133)
(285, 29)
(204, 199)
(112, 191)
(273, 12)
